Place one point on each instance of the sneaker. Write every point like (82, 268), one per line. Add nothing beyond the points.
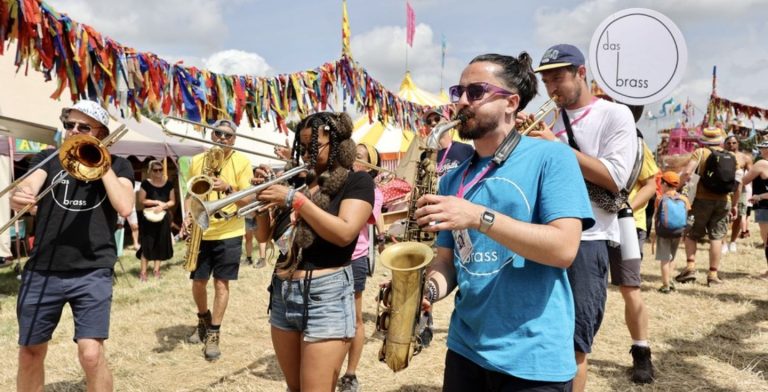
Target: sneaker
(732, 247)
(713, 280)
(665, 289)
(247, 260)
(203, 323)
(211, 348)
(724, 249)
(686, 276)
(260, 263)
(642, 368)
(349, 383)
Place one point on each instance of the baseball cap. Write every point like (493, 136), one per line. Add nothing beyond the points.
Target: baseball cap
(762, 145)
(91, 109)
(671, 178)
(561, 55)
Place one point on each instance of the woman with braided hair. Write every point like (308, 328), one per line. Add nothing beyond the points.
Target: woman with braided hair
(312, 299)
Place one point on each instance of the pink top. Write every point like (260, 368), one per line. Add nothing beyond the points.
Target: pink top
(361, 249)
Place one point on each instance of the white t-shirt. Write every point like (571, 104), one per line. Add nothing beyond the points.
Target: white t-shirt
(606, 132)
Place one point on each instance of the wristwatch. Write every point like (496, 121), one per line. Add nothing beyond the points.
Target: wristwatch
(486, 221)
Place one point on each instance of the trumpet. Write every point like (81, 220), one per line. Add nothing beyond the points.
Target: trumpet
(258, 205)
(203, 210)
(169, 132)
(544, 110)
(83, 157)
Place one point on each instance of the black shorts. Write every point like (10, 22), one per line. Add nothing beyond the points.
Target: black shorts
(42, 296)
(220, 258)
(626, 272)
(461, 375)
(589, 283)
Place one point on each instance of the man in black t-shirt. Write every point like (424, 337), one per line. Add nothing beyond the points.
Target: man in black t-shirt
(73, 256)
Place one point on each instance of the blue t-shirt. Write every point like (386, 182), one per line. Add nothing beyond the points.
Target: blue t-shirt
(512, 315)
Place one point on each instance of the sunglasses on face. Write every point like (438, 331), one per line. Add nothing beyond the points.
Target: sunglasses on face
(475, 91)
(81, 127)
(223, 135)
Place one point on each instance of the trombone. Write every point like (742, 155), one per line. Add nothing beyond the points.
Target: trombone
(203, 210)
(169, 132)
(83, 157)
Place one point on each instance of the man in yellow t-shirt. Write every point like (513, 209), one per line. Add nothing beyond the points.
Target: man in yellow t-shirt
(709, 211)
(221, 246)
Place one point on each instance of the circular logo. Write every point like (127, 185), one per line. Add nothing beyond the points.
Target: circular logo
(637, 56)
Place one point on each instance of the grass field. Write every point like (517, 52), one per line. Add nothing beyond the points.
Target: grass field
(703, 339)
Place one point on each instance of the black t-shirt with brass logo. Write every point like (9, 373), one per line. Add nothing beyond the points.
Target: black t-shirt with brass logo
(75, 223)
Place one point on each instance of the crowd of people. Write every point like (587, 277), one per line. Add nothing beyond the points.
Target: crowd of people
(528, 250)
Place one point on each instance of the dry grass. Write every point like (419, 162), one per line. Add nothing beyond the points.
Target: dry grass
(704, 339)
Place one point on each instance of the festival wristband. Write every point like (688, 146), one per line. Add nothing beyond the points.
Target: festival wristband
(298, 201)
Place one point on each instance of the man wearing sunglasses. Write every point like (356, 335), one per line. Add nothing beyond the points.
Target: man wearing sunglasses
(451, 153)
(73, 256)
(221, 246)
(603, 137)
(508, 229)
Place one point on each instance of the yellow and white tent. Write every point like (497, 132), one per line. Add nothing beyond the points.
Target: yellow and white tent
(391, 141)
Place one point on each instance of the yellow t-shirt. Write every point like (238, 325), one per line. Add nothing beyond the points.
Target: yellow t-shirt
(701, 155)
(647, 172)
(237, 172)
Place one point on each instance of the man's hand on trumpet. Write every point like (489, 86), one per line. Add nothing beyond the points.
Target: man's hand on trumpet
(541, 131)
(275, 195)
(262, 174)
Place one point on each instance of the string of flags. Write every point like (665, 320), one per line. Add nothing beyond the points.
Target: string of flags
(93, 66)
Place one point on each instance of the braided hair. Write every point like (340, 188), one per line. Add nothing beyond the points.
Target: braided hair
(339, 127)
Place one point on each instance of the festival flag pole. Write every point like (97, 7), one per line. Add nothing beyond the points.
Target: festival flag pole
(345, 32)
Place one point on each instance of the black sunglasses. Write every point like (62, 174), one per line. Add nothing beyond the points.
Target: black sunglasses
(70, 125)
(223, 134)
(475, 91)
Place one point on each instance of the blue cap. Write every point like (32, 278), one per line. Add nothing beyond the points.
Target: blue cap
(562, 55)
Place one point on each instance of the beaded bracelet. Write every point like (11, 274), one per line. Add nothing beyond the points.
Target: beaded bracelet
(289, 198)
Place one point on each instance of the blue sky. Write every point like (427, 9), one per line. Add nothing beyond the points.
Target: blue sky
(265, 37)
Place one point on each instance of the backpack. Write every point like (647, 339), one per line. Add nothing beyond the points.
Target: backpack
(719, 174)
(672, 217)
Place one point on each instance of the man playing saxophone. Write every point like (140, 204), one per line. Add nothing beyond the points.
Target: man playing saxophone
(221, 245)
(509, 226)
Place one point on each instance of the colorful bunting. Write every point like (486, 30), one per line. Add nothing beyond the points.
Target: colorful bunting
(97, 67)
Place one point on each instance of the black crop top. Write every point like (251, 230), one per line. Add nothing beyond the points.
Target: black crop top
(323, 254)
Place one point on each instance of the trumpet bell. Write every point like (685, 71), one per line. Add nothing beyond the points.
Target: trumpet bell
(84, 157)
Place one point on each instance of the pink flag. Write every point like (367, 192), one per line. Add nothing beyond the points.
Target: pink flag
(410, 24)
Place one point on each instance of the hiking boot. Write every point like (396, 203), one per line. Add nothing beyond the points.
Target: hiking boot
(687, 276)
(211, 349)
(642, 368)
(348, 383)
(260, 263)
(713, 280)
(203, 323)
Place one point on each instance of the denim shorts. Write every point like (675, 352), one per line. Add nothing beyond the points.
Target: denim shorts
(589, 283)
(220, 258)
(250, 224)
(42, 296)
(330, 307)
(761, 215)
(360, 272)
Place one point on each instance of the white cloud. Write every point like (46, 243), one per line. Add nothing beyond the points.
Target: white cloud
(238, 62)
(382, 52)
(144, 23)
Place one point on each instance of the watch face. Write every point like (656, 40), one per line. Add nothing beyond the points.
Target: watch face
(488, 216)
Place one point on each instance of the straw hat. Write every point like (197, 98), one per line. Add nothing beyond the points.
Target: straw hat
(712, 136)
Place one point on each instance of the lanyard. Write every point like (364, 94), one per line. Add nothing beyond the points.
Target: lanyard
(479, 176)
(445, 155)
(576, 121)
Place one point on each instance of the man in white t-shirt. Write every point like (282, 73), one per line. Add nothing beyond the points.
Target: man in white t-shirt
(605, 143)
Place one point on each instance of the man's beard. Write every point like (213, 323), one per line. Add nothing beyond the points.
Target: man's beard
(475, 128)
(567, 100)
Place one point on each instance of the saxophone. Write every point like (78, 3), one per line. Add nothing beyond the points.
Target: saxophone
(401, 301)
(200, 186)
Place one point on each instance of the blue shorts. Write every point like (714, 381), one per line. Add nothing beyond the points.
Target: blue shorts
(42, 296)
(761, 215)
(220, 257)
(360, 272)
(250, 224)
(330, 308)
(589, 283)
